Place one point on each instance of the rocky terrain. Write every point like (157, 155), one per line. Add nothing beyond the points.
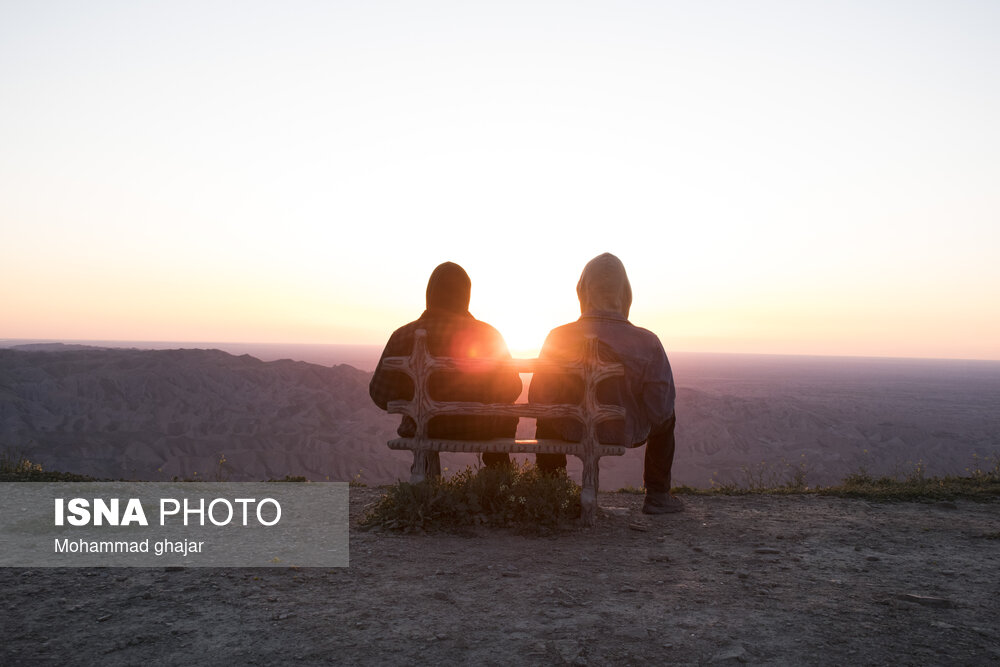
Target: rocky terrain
(761, 580)
(156, 414)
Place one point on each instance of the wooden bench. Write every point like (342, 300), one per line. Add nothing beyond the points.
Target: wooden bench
(420, 365)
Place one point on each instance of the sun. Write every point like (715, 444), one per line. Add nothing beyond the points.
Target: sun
(524, 335)
(524, 317)
(524, 344)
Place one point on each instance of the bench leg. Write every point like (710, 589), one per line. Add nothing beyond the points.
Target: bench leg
(426, 465)
(588, 493)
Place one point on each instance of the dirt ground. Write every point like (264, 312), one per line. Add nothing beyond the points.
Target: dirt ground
(760, 580)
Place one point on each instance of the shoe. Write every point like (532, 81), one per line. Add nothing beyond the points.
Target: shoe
(662, 503)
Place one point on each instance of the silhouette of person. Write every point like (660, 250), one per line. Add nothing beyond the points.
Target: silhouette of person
(646, 392)
(451, 332)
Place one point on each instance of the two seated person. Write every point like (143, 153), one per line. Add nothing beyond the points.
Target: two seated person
(646, 392)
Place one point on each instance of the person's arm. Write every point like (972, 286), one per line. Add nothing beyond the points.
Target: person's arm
(658, 390)
(506, 383)
(543, 385)
(388, 385)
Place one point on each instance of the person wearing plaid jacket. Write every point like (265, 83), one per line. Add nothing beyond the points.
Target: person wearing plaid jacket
(646, 392)
(452, 332)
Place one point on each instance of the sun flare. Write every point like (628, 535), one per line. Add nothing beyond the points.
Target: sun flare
(524, 338)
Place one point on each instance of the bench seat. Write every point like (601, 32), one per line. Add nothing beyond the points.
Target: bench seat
(501, 445)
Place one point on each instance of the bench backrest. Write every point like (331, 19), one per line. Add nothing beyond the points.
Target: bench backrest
(420, 365)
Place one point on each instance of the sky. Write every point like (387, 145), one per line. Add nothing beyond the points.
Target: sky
(778, 177)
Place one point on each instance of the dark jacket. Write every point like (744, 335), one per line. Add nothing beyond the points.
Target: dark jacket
(451, 332)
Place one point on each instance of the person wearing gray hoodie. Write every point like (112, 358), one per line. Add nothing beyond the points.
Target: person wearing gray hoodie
(646, 392)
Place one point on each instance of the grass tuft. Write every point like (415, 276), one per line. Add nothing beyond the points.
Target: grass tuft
(982, 483)
(915, 486)
(515, 496)
(16, 467)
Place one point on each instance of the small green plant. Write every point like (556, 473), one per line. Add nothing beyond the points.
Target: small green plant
(798, 474)
(221, 472)
(192, 478)
(17, 464)
(985, 469)
(290, 478)
(917, 475)
(761, 476)
(859, 479)
(513, 496)
(767, 478)
(355, 482)
(16, 467)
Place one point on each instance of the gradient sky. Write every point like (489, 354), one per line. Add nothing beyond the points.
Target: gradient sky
(778, 177)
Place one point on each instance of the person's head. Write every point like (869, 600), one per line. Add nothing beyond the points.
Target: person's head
(449, 288)
(604, 286)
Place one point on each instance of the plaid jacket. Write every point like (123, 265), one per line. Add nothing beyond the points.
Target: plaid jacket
(458, 335)
(647, 391)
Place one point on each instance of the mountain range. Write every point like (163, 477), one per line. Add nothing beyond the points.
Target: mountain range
(208, 414)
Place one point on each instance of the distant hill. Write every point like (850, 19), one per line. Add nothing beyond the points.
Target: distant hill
(55, 347)
(156, 414)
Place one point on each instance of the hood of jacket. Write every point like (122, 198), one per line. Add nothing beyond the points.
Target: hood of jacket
(449, 289)
(604, 286)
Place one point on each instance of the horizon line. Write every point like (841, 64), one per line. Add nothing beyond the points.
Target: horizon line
(9, 342)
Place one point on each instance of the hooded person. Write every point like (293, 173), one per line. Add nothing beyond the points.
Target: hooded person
(452, 331)
(646, 392)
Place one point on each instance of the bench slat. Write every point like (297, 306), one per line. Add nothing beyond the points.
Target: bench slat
(436, 364)
(530, 410)
(501, 445)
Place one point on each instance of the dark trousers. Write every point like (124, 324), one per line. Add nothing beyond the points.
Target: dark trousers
(659, 458)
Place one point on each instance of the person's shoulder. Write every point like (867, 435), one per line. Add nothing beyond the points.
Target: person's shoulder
(479, 324)
(483, 329)
(647, 338)
(562, 335)
(561, 340)
(408, 329)
(401, 340)
(568, 329)
(643, 332)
